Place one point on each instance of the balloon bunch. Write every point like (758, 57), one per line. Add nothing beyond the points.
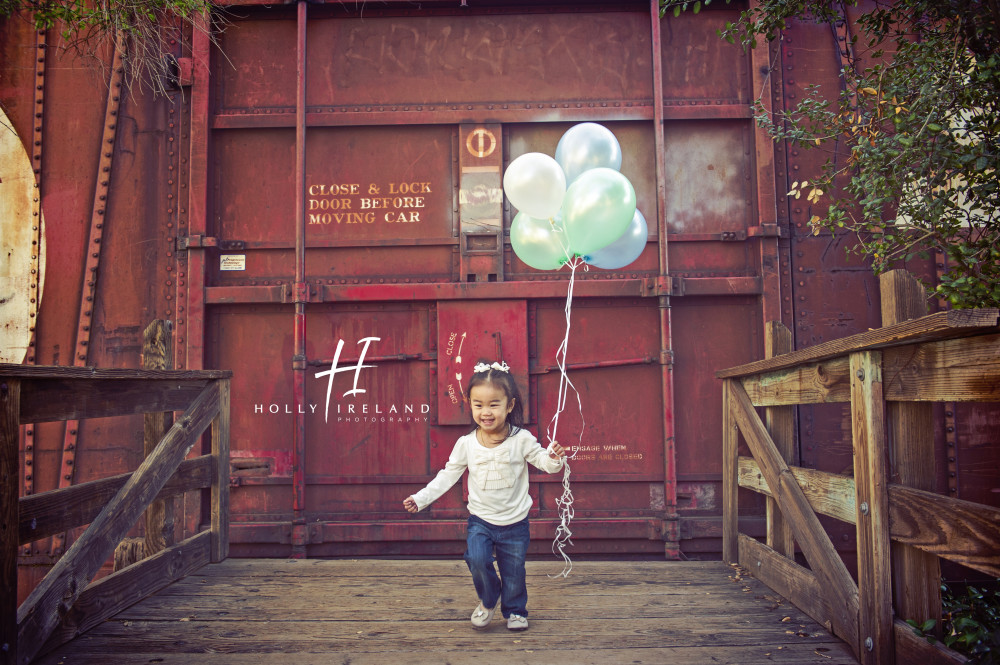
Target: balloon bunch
(577, 205)
(575, 209)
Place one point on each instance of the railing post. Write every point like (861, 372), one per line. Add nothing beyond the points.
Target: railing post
(157, 353)
(730, 487)
(220, 483)
(875, 625)
(916, 574)
(780, 422)
(10, 412)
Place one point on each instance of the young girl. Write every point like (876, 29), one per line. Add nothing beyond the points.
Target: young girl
(495, 454)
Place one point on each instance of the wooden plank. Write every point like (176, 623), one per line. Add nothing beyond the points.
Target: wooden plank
(828, 493)
(942, 325)
(876, 644)
(956, 370)
(780, 422)
(219, 499)
(57, 399)
(819, 551)
(56, 511)
(911, 648)
(823, 382)
(10, 440)
(157, 353)
(961, 531)
(730, 506)
(794, 582)
(31, 373)
(110, 595)
(915, 573)
(42, 611)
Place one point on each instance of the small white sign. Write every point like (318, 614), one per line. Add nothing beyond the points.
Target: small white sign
(233, 262)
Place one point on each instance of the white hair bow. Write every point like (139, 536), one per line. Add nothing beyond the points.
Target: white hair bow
(483, 367)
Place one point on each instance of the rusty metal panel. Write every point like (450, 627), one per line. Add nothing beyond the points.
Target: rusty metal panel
(699, 68)
(474, 331)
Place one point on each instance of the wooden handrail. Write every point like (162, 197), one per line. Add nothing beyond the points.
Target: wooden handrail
(886, 376)
(63, 604)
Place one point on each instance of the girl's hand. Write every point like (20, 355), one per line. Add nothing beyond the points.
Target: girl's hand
(556, 451)
(410, 504)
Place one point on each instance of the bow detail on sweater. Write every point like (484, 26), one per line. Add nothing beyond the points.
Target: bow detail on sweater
(494, 470)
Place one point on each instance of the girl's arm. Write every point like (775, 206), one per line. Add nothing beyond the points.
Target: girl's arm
(453, 469)
(540, 457)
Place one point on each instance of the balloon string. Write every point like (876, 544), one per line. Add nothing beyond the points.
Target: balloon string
(564, 504)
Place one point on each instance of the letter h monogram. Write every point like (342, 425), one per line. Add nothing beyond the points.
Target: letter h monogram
(357, 371)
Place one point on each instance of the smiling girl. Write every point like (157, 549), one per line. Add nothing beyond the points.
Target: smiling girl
(496, 454)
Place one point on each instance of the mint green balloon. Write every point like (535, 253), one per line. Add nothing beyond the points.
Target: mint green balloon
(597, 209)
(537, 242)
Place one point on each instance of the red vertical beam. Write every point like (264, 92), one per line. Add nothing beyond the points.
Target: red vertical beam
(191, 338)
(299, 533)
(670, 532)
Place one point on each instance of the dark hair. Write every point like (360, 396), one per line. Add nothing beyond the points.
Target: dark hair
(505, 382)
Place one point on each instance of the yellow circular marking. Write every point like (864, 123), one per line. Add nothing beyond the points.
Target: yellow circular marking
(481, 143)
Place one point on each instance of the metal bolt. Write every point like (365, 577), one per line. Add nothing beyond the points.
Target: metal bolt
(869, 643)
(864, 507)
(861, 374)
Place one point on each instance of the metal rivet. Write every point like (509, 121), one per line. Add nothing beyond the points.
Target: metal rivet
(861, 374)
(864, 507)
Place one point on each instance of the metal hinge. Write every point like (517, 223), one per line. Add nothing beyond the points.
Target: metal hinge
(187, 242)
(766, 231)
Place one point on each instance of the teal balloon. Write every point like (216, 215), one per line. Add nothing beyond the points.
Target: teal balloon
(537, 242)
(626, 249)
(597, 209)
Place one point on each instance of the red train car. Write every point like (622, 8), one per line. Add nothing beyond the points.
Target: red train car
(320, 186)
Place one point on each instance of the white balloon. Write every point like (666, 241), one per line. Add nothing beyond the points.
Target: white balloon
(535, 185)
(588, 146)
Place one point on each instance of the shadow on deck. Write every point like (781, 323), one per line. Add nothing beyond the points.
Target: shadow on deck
(312, 612)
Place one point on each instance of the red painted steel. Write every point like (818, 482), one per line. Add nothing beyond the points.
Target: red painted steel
(312, 182)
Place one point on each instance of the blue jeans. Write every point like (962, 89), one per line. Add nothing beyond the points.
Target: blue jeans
(510, 543)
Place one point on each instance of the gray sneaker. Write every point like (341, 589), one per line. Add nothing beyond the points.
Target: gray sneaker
(481, 617)
(517, 622)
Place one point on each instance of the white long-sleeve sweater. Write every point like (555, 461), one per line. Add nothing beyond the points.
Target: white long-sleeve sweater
(498, 477)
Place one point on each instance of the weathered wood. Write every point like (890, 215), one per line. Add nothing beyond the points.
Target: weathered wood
(876, 643)
(911, 648)
(56, 511)
(780, 422)
(42, 611)
(730, 490)
(794, 582)
(828, 493)
(219, 499)
(915, 573)
(961, 531)
(815, 383)
(10, 438)
(809, 533)
(33, 373)
(419, 613)
(157, 353)
(110, 595)
(955, 370)
(942, 325)
(57, 399)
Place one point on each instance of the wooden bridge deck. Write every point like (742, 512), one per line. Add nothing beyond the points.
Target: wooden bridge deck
(313, 612)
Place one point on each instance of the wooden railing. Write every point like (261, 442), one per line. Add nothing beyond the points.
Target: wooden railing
(66, 603)
(888, 376)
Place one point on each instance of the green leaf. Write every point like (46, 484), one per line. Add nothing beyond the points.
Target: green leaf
(697, 6)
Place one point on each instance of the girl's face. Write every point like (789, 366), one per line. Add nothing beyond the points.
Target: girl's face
(490, 407)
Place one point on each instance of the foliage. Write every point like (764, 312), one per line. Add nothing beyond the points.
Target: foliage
(971, 623)
(912, 137)
(136, 24)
